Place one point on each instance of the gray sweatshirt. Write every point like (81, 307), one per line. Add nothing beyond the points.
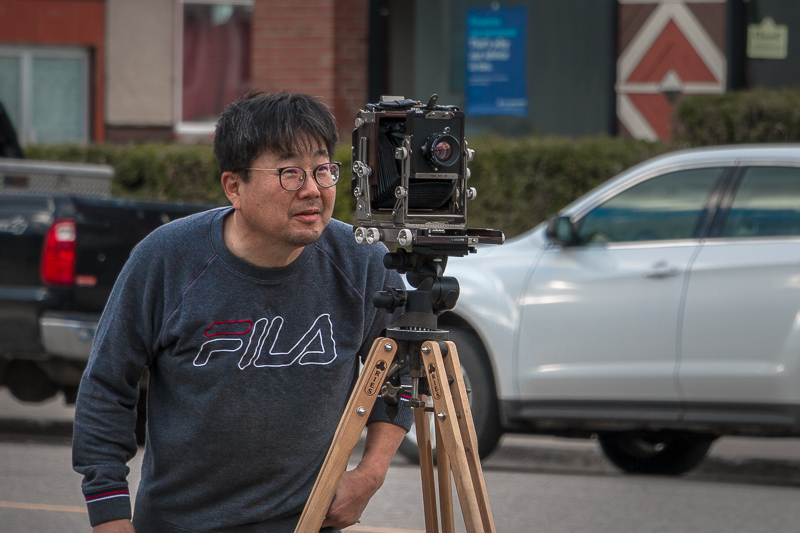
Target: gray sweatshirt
(250, 370)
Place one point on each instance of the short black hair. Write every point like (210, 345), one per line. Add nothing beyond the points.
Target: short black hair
(282, 123)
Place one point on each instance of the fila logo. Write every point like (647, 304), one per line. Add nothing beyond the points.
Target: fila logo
(315, 347)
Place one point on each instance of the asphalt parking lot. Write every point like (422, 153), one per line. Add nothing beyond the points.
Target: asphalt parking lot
(541, 484)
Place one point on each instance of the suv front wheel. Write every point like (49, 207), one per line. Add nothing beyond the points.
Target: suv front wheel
(655, 452)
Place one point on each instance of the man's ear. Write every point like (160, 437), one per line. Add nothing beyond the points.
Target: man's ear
(231, 182)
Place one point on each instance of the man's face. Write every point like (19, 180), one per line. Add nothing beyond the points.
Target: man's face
(289, 219)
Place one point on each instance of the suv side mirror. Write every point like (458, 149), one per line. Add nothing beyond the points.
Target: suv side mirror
(561, 230)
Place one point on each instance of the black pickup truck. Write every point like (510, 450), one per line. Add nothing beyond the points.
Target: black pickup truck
(63, 242)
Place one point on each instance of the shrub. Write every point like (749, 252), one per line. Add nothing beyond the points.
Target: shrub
(522, 181)
(155, 171)
(172, 172)
(519, 181)
(755, 116)
(345, 208)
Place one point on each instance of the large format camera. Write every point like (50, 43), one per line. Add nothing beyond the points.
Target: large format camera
(410, 177)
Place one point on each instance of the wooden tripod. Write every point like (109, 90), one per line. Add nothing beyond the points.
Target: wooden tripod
(456, 442)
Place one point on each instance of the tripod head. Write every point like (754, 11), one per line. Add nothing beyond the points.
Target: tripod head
(434, 292)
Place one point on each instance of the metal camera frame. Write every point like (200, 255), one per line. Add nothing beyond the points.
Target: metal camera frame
(403, 224)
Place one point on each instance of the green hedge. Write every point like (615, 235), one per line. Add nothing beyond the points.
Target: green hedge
(169, 172)
(754, 116)
(155, 171)
(522, 181)
(519, 181)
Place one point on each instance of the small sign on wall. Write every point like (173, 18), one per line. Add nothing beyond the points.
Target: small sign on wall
(767, 40)
(496, 65)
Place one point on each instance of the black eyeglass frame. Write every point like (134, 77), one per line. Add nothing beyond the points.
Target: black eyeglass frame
(305, 175)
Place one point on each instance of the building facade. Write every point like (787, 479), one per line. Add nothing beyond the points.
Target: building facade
(143, 70)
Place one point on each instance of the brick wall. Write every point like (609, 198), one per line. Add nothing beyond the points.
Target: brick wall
(352, 30)
(317, 47)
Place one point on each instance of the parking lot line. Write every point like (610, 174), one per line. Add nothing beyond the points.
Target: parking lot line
(43, 507)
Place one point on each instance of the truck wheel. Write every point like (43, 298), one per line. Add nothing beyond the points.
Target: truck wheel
(479, 378)
(655, 452)
(28, 382)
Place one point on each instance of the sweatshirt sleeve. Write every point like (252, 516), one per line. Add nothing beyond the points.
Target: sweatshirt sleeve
(401, 414)
(105, 414)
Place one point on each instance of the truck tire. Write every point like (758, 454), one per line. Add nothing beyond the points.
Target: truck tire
(479, 378)
(655, 452)
(28, 382)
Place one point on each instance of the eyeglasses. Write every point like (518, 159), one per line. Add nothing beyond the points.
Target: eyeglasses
(292, 178)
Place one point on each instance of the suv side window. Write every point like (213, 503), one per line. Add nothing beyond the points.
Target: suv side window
(766, 204)
(665, 207)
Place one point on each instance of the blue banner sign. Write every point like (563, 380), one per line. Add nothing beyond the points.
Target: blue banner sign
(496, 67)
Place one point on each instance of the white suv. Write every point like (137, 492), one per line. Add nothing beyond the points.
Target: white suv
(660, 311)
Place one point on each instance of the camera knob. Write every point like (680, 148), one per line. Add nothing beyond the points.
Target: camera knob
(470, 154)
(405, 237)
(391, 299)
(400, 192)
(401, 153)
(373, 235)
(472, 193)
(361, 170)
(360, 235)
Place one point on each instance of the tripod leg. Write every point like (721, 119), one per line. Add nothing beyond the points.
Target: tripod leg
(422, 425)
(468, 435)
(347, 434)
(445, 483)
(445, 411)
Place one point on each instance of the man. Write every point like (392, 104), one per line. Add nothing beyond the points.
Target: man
(251, 320)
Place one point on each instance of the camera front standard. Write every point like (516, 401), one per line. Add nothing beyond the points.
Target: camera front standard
(410, 176)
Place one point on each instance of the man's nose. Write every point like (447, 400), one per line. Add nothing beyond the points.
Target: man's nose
(309, 186)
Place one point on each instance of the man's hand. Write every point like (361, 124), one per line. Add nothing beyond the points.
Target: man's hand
(352, 496)
(115, 526)
(359, 485)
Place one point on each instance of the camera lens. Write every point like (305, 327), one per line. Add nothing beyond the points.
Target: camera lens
(442, 149)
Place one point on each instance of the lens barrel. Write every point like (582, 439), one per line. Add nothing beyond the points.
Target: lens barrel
(442, 150)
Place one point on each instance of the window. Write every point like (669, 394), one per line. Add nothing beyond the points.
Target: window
(664, 207)
(767, 204)
(215, 60)
(46, 93)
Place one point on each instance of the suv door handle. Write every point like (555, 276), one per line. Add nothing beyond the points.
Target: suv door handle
(662, 270)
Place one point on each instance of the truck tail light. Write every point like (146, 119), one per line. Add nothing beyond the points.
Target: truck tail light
(58, 257)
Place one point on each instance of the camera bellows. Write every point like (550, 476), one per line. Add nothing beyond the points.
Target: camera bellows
(389, 167)
(422, 194)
